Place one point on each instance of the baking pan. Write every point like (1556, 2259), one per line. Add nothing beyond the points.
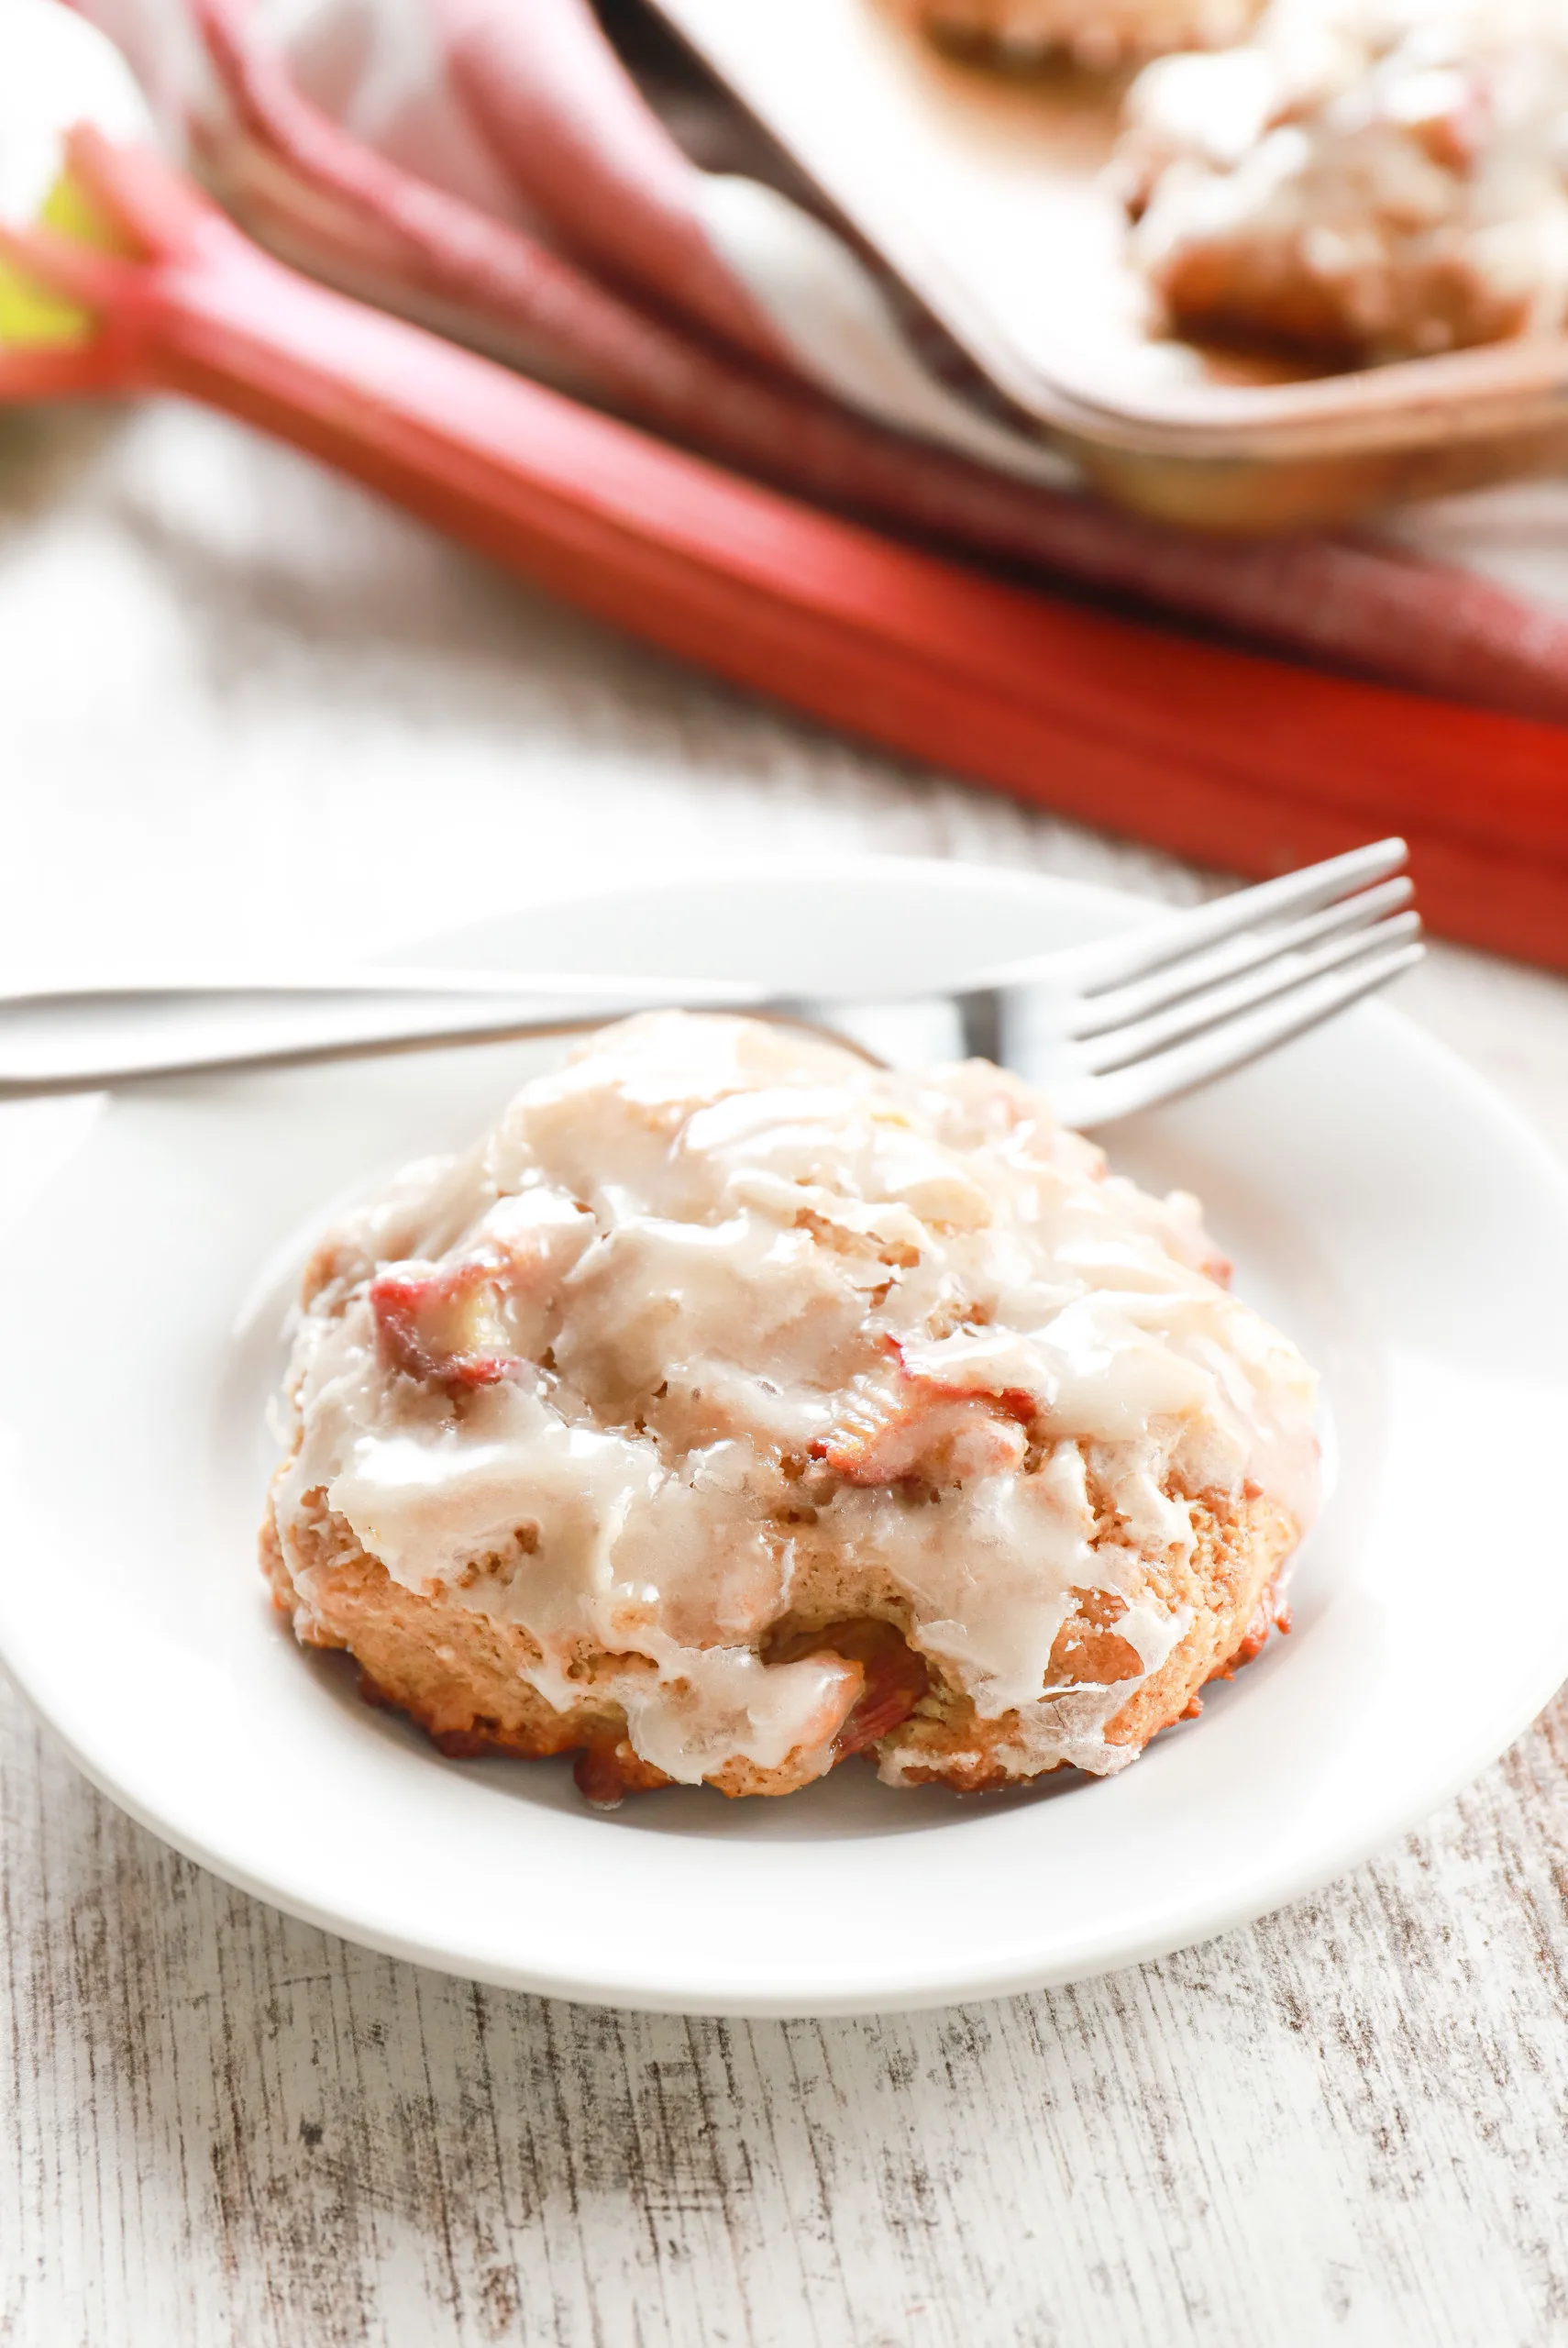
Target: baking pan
(983, 189)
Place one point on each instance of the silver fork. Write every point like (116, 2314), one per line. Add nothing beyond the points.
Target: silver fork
(1106, 1028)
(1157, 1011)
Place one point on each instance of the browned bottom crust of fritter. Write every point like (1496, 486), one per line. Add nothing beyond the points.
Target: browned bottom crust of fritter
(457, 1672)
(1249, 289)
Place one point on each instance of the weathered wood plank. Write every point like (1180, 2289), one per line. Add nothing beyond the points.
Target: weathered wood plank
(1345, 2122)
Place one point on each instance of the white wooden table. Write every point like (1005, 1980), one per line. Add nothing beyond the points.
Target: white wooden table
(230, 688)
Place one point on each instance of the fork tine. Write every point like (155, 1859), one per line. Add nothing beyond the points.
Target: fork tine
(1119, 1046)
(1096, 1013)
(1111, 961)
(1100, 1100)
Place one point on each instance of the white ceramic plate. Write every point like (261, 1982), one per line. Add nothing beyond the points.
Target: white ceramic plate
(1381, 1203)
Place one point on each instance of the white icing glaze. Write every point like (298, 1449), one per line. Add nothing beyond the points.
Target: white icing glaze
(1393, 173)
(718, 1309)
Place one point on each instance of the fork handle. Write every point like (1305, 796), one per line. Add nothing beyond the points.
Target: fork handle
(86, 1039)
(81, 1040)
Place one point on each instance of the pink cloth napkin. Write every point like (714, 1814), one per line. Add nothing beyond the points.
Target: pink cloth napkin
(567, 194)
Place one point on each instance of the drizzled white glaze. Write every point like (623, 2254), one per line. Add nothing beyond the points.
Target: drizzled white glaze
(713, 1269)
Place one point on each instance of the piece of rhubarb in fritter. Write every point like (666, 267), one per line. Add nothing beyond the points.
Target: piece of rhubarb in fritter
(443, 1323)
(892, 1425)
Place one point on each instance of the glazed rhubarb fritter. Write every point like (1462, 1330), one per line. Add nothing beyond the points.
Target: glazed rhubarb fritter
(734, 1406)
(1372, 179)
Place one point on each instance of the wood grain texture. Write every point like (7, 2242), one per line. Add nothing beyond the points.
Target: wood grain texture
(1347, 2124)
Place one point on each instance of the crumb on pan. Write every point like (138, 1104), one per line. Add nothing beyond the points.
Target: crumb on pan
(1099, 34)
